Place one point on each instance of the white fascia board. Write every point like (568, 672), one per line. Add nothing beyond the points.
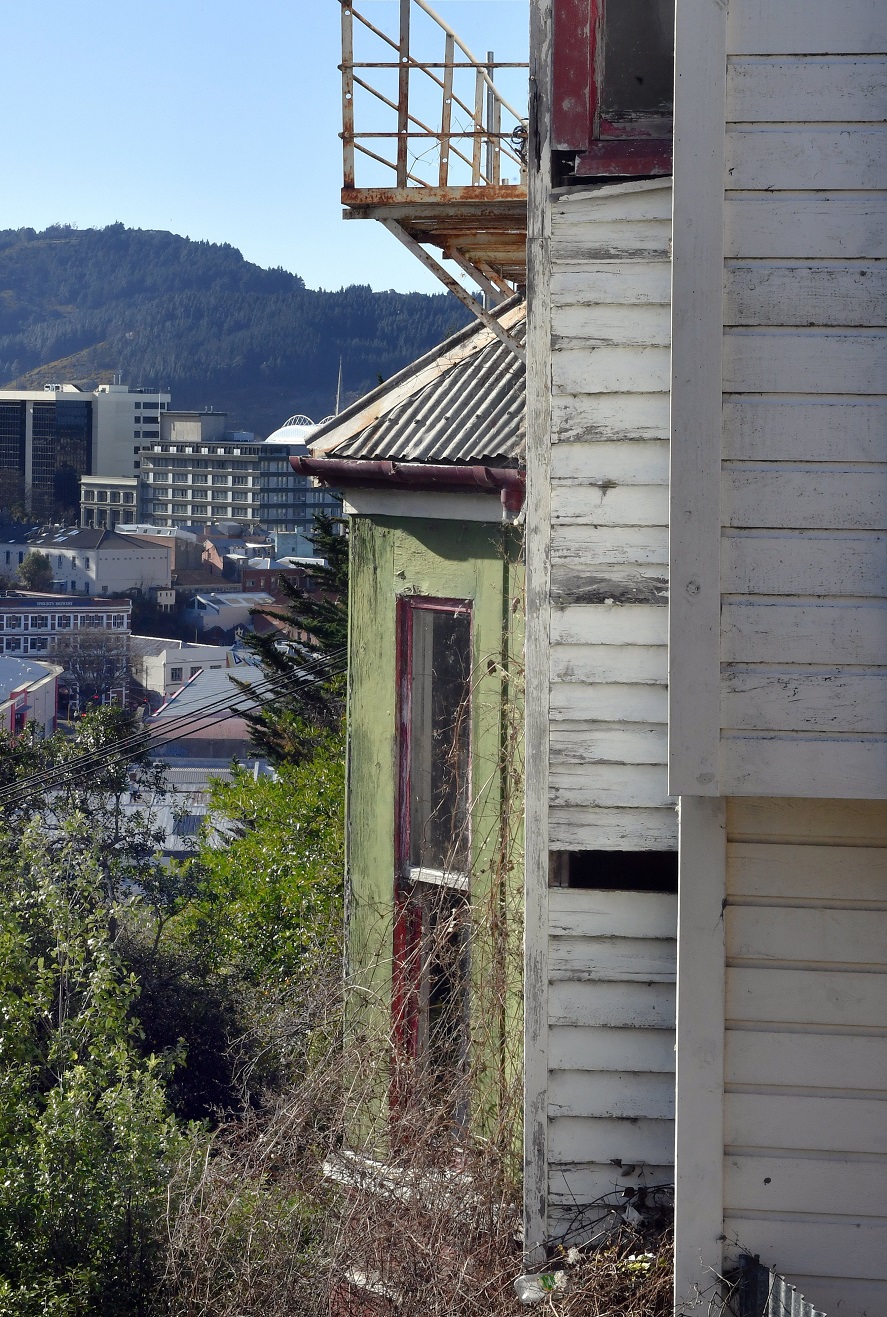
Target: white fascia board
(424, 506)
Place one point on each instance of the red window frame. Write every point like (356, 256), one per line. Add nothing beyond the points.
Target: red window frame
(407, 952)
(601, 147)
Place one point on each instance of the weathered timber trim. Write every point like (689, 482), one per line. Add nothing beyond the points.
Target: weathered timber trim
(450, 505)
(696, 400)
(587, 588)
(476, 307)
(699, 1139)
(538, 509)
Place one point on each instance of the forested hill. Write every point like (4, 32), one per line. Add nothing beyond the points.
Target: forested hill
(197, 318)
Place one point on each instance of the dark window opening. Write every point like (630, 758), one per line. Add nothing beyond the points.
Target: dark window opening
(430, 988)
(614, 871)
(612, 88)
(436, 755)
(430, 1003)
(638, 60)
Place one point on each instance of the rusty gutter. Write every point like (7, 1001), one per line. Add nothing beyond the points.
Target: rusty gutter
(344, 472)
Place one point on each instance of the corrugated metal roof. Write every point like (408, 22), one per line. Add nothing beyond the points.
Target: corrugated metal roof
(471, 410)
(763, 1293)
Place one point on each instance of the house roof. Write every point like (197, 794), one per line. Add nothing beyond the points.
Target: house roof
(210, 687)
(464, 402)
(79, 539)
(215, 601)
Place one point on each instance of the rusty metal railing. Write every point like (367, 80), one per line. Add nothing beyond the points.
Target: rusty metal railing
(452, 106)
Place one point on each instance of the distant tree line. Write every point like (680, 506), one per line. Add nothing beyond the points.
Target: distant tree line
(198, 318)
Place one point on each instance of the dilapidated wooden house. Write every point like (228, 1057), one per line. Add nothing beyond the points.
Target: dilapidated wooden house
(430, 465)
(706, 427)
(706, 745)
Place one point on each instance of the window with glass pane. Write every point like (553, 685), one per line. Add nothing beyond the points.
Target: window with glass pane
(439, 735)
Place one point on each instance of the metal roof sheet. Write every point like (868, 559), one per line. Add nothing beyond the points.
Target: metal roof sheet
(472, 410)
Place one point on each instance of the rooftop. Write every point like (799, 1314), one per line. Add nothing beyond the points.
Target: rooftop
(461, 403)
(243, 599)
(16, 672)
(77, 538)
(207, 690)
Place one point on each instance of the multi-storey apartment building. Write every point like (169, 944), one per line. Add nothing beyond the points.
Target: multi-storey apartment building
(50, 437)
(196, 470)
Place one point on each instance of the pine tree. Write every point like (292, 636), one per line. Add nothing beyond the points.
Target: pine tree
(311, 658)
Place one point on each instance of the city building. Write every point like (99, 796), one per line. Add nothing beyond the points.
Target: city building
(224, 613)
(196, 470)
(43, 624)
(87, 638)
(51, 437)
(288, 503)
(109, 501)
(93, 562)
(28, 694)
(185, 546)
(161, 666)
(265, 574)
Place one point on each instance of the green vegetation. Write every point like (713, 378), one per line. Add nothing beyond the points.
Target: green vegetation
(274, 891)
(35, 573)
(197, 318)
(312, 658)
(86, 1137)
(136, 995)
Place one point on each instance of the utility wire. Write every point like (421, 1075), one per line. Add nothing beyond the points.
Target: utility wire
(35, 786)
(260, 693)
(282, 684)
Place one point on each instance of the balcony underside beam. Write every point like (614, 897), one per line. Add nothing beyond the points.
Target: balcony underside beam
(477, 308)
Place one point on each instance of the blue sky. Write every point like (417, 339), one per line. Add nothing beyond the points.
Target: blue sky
(216, 120)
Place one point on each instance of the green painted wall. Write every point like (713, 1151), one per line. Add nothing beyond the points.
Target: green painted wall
(480, 562)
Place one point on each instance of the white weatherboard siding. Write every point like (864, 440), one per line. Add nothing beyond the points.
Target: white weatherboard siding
(778, 642)
(611, 968)
(610, 281)
(805, 1057)
(804, 465)
(609, 1082)
(795, 218)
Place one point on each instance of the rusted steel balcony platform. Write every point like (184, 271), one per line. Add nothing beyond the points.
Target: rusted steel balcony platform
(451, 143)
(486, 226)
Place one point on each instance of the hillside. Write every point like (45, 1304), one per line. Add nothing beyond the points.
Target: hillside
(199, 319)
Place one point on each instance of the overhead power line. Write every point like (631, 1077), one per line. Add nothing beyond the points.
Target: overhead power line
(259, 694)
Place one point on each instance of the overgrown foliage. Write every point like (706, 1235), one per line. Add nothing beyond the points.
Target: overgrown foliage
(86, 1136)
(336, 1170)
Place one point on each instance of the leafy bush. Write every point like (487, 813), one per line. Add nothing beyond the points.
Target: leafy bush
(86, 1138)
(275, 887)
